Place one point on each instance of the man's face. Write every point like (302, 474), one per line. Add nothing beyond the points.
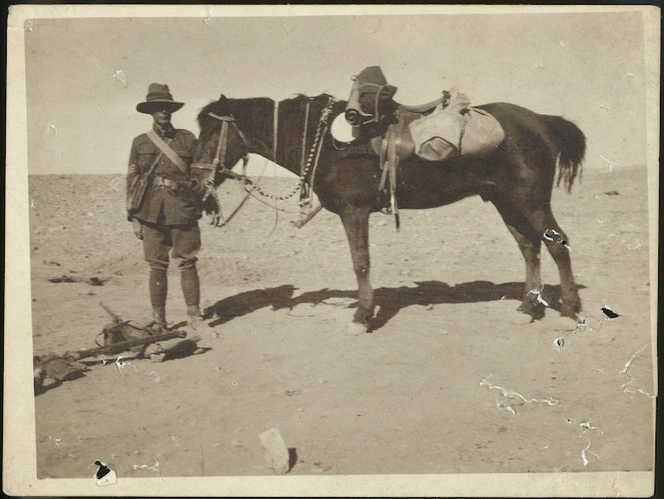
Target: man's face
(162, 117)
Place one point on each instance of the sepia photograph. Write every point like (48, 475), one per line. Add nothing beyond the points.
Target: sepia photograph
(317, 250)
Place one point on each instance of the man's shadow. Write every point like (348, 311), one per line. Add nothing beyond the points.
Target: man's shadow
(389, 300)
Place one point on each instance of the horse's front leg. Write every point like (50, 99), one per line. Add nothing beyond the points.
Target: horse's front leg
(356, 224)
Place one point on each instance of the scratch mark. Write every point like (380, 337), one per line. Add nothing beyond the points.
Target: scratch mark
(112, 183)
(507, 407)
(28, 24)
(587, 425)
(512, 394)
(156, 376)
(637, 245)
(207, 19)
(585, 324)
(556, 237)
(586, 452)
(51, 130)
(379, 25)
(610, 162)
(32, 204)
(154, 467)
(120, 76)
(630, 379)
(538, 293)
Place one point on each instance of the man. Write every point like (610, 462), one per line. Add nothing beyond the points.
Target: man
(166, 216)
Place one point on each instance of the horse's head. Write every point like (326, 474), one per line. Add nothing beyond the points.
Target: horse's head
(220, 144)
(370, 98)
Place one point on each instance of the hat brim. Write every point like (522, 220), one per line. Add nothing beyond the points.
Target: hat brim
(152, 106)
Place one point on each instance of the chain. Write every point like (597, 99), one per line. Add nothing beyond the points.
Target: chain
(321, 125)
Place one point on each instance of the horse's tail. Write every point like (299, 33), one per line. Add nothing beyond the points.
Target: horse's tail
(571, 144)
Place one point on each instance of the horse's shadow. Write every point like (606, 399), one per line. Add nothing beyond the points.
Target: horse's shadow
(389, 300)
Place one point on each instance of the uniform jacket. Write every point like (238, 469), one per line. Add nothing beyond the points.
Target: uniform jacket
(174, 206)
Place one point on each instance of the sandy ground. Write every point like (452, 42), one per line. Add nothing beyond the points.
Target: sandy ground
(431, 390)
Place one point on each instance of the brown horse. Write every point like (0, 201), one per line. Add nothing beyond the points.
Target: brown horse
(518, 178)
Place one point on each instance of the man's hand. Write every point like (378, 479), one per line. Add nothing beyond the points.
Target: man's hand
(212, 206)
(138, 228)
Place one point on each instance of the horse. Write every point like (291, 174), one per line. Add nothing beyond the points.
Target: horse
(518, 178)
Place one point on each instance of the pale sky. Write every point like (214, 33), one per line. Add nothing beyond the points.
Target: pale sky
(587, 67)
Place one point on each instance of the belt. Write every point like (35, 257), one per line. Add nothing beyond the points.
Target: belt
(163, 182)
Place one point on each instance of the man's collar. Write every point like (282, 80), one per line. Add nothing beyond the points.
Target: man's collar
(164, 132)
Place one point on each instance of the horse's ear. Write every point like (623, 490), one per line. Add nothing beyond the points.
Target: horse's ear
(222, 99)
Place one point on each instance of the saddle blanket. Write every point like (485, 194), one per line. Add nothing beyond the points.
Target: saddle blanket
(446, 133)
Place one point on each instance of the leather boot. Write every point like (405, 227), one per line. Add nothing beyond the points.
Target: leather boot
(158, 292)
(192, 294)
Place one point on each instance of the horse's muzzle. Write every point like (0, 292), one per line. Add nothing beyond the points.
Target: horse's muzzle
(357, 118)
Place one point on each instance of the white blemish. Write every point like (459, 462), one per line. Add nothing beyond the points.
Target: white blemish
(559, 343)
(120, 76)
(57, 441)
(51, 130)
(556, 237)
(122, 365)
(32, 204)
(630, 379)
(599, 370)
(113, 182)
(637, 245)
(512, 394)
(538, 293)
(585, 324)
(507, 407)
(209, 10)
(562, 44)
(606, 108)
(586, 452)
(587, 425)
(629, 76)
(28, 24)
(504, 297)
(610, 162)
(154, 467)
(156, 376)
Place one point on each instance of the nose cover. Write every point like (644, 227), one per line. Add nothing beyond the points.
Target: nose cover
(366, 102)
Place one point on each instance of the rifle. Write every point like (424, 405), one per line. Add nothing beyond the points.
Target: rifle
(66, 367)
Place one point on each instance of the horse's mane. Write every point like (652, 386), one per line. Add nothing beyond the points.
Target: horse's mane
(254, 117)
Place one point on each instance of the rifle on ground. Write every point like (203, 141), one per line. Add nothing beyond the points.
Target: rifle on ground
(119, 336)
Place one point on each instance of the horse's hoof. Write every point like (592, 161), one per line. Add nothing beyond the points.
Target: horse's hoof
(535, 310)
(569, 311)
(357, 329)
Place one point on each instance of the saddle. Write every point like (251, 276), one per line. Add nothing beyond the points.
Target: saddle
(435, 133)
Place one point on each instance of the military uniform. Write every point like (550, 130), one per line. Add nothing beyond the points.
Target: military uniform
(170, 209)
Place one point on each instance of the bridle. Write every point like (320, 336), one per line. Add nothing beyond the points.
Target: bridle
(219, 161)
(218, 164)
(305, 181)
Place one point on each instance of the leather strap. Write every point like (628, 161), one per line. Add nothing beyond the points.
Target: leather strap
(170, 153)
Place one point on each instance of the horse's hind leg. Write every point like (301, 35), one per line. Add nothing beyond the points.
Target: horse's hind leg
(557, 243)
(356, 224)
(529, 244)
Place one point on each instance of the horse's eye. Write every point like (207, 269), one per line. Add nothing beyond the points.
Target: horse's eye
(364, 108)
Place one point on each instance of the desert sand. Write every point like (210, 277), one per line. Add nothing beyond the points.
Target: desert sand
(451, 380)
